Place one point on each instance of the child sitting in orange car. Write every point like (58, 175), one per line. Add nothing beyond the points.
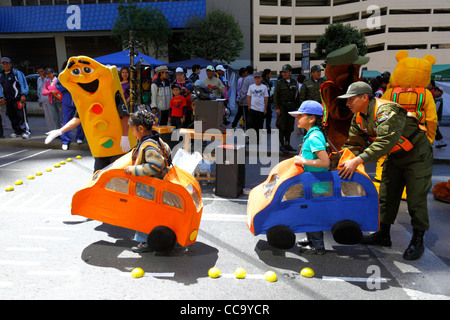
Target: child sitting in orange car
(314, 158)
(151, 158)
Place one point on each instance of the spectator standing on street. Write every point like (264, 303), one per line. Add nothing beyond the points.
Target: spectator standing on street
(310, 89)
(161, 94)
(55, 97)
(181, 80)
(257, 100)
(195, 73)
(13, 95)
(44, 101)
(286, 99)
(178, 108)
(266, 81)
(242, 74)
(213, 83)
(124, 76)
(248, 80)
(437, 94)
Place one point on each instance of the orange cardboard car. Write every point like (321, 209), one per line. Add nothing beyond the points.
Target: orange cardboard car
(143, 204)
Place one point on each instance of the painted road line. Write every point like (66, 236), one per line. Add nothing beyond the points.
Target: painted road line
(19, 263)
(13, 154)
(67, 228)
(225, 199)
(223, 217)
(6, 284)
(45, 238)
(44, 273)
(26, 158)
(353, 279)
(26, 249)
(152, 274)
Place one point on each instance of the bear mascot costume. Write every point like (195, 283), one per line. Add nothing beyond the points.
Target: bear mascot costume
(407, 87)
(342, 69)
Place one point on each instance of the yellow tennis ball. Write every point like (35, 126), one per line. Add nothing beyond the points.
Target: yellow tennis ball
(30, 177)
(57, 165)
(78, 157)
(137, 273)
(214, 272)
(271, 276)
(39, 173)
(18, 182)
(307, 272)
(62, 162)
(48, 169)
(240, 273)
(69, 160)
(9, 188)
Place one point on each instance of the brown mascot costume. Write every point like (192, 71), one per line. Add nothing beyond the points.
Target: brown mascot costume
(342, 69)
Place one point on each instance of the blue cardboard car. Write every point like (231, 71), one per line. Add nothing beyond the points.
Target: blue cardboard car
(292, 201)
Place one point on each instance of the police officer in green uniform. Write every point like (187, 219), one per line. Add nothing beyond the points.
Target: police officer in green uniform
(310, 89)
(382, 127)
(286, 98)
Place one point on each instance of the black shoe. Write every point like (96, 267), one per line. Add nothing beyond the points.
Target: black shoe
(381, 237)
(416, 247)
(311, 250)
(284, 150)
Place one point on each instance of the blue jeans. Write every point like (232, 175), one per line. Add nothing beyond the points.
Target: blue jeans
(316, 238)
(140, 237)
(68, 113)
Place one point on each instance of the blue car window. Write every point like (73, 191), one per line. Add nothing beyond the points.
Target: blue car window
(322, 189)
(352, 189)
(145, 191)
(294, 192)
(118, 185)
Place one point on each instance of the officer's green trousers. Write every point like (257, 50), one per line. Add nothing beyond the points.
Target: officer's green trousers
(412, 169)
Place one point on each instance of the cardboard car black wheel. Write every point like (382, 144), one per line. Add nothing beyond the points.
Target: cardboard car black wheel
(281, 237)
(347, 232)
(161, 238)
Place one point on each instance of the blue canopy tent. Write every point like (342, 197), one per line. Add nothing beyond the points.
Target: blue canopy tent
(121, 58)
(187, 64)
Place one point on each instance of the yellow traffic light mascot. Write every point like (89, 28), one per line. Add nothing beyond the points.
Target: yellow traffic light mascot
(101, 109)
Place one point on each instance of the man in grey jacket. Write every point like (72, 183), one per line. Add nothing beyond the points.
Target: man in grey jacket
(162, 93)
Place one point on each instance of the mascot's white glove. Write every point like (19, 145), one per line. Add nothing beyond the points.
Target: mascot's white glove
(53, 135)
(125, 144)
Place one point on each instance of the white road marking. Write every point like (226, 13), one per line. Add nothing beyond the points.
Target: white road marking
(26, 249)
(12, 154)
(26, 158)
(19, 263)
(353, 279)
(44, 238)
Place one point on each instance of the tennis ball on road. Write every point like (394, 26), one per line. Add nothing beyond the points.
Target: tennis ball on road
(271, 276)
(214, 273)
(62, 162)
(9, 188)
(57, 165)
(30, 177)
(39, 173)
(18, 182)
(240, 273)
(48, 169)
(307, 272)
(69, 160)
(137, 273)
(78, 157)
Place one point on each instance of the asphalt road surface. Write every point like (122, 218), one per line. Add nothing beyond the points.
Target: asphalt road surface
(47, 253)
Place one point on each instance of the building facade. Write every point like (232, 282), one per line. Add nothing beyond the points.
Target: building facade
(48, 32)
(282, 27)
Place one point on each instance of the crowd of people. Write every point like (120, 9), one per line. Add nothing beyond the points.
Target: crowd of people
(55, 101)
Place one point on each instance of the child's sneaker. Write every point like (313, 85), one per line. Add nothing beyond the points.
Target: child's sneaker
(141, 247)
(311, 250)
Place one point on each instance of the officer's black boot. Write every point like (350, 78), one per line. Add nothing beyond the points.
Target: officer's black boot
(416, 247)
(382, 237)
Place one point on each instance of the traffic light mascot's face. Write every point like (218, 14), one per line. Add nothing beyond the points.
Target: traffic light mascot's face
(94, 89)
